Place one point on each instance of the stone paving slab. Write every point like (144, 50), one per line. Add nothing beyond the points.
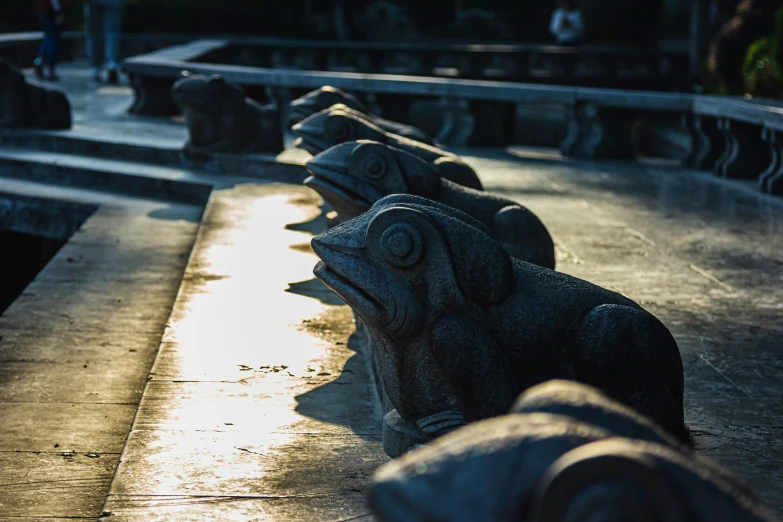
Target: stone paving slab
(197, 508)
(53, 486)
(256, 406)
(76, 349)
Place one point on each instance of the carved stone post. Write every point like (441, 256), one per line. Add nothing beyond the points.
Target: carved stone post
(281, 97)
(458, 123)
(744, 154)
(596, 132)
(707, 143)
(771, 180)
(152, 96)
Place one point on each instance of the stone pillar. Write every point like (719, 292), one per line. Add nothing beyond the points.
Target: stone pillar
(152, 96)
(744, 156)
(596, 132)
(707, 143)
(458, 123)
(771, 180)
(281, 97)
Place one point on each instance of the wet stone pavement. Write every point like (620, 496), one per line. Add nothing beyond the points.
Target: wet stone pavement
(257, 405)
(257, 402)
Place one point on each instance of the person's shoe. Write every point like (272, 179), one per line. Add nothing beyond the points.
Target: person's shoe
(95, 74)
(112, 77)
(51, 75)
(38, 68)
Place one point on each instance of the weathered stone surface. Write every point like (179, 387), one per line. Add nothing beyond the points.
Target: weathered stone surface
(567, 452)
(340, 124)
(459, 328)
(352, 176)
(221, 118)
(326, 96)
(25, 103)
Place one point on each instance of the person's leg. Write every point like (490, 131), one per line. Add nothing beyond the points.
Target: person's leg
(54, 51)
(113, 26)
(43, 51)
(93, 38)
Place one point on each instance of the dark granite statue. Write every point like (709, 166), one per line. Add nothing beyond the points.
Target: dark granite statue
(327, 96)
(458, 328)
(221, 119)
(566, 453)
(340, 124)
(27, 103)
(352, 176)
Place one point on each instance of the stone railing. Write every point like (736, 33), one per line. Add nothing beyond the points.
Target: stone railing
(589, 65)
(735, 137)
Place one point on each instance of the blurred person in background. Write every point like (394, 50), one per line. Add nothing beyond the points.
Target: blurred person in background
(102, 25)
(51, 14)
(566, 23)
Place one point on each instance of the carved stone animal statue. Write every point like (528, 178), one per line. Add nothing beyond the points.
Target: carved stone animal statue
(221, 118)
(26, 103)
(458, 328)
(339, 124)
(326, 96)
(352, 176)
(566, 453)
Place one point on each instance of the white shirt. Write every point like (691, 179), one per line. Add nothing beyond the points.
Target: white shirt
(572, 31)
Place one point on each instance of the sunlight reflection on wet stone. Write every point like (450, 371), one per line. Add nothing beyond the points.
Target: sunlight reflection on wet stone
(254, 391)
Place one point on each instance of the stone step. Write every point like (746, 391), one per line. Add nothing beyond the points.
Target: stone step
(167, 153)
(46, 217)
(103, 146)
(130, 179)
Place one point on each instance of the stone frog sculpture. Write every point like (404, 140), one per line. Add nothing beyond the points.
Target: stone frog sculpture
(221, 119)
(26, 103)
(352, 176)
(458, 328)
(326, 96)
(565, 453)
(339, 124)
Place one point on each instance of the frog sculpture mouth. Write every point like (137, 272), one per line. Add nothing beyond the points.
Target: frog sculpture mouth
(348, 194)
(300, 112)
(367, 305)
(309, 141)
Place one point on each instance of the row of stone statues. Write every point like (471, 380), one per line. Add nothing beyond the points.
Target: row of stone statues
(568, 453)
(461, 311)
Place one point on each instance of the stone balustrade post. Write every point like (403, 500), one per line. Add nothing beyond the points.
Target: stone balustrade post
(596, 132)
(707, 143)
(744, 156)
(771, 180)
(152, 96)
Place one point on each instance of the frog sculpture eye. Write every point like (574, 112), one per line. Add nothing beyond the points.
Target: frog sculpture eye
(374, 166)
(339, 128)
(402, 245)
